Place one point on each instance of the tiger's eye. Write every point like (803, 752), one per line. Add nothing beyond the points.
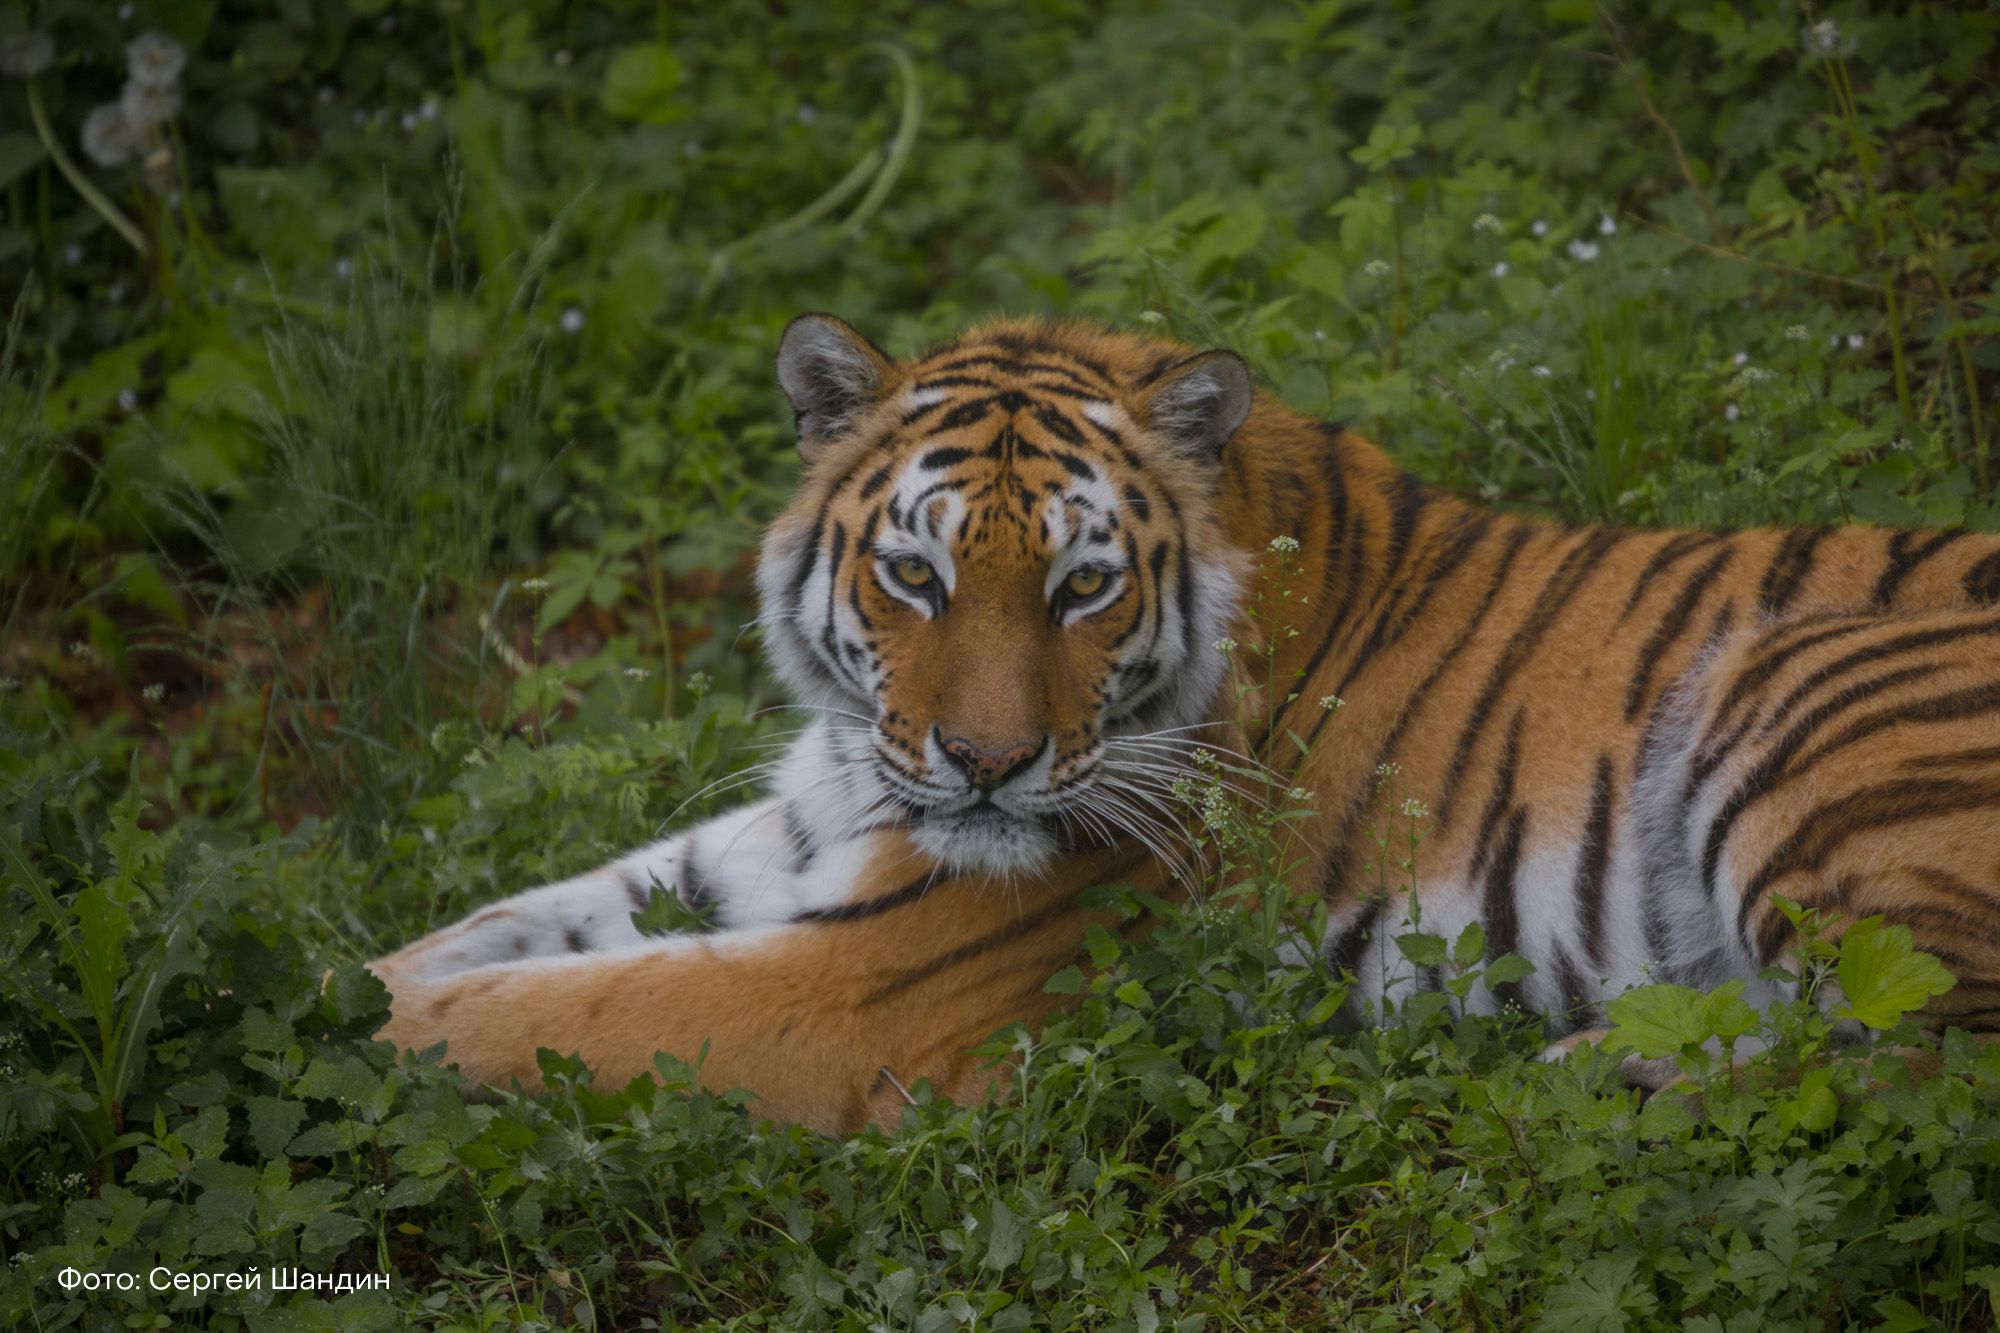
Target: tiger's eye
(1084, 583)
(912, 573)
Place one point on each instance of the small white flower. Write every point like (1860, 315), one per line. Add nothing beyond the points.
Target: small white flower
(155, 59)
(562, 58)
(808, 113)
(409, 121)
(8, 684)
(1284, 545)
(72, 254)
(23, 55)
(108, 138)
(79, 649)
(637, 673)
(1500, 269)
(1490, 492)
(571, 320)
(1225, 646)
(343, 268)
(1331, 703)
(128, 401)
(1741, 359)
(1823, 38)
(1607, 225)
(1796, 333)
(1855, 341)
(1582, 251)
(429, 110)
(1319, 335)
(327, 94)
(1540, 372)
(473, 759)
(1754, 475)
(1902, 445)
(1376, 268)
(1539, 226)
(1731, 411)
(1387, 771)
(534, 585)
(154, 693)
(1486, 222)
(1298, 796)
(1626, 499)
(1415, 809)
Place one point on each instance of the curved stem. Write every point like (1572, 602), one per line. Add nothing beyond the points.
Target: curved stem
(93, 196)
(900, 147)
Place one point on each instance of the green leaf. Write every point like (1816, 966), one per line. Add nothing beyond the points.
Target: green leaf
(273, 1123)
(641, 84)
(1066, 982)
(1423, 950)
(1658, 1021)
(1003, 1238)
(1471, 945)
(1601, 1296)
(1882, 977)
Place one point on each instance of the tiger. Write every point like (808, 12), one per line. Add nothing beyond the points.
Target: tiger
(1006, 593)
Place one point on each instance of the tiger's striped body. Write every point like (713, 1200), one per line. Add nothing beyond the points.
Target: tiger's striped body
(1626, 742)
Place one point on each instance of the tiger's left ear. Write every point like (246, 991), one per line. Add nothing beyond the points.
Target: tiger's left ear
(831, 374)
(1199, 403)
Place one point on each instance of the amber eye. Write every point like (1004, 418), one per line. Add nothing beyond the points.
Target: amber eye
(912, 572)
(1084, 583)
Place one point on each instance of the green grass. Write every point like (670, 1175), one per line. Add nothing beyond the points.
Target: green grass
(374, 547)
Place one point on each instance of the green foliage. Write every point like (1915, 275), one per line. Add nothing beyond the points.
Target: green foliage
(372, 546)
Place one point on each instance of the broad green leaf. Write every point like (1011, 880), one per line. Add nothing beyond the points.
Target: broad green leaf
(641, 84)
(1882, 977)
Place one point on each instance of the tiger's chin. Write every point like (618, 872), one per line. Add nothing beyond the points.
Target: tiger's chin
(985, 840)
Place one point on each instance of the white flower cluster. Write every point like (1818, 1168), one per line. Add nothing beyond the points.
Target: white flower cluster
(130, 129)
(1284, 545)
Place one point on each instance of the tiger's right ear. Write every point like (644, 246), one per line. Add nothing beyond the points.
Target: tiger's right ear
(831, 374)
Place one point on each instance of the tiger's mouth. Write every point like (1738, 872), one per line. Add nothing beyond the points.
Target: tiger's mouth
(984, 837)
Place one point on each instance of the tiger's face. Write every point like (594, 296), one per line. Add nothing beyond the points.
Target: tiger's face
(1001, 578)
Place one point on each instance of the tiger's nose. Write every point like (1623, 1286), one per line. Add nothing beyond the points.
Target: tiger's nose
(987, 769)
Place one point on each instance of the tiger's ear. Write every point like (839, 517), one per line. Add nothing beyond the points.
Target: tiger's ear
(1199, 403)
(831, 374)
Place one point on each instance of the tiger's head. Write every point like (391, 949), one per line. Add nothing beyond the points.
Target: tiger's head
(1002, 577)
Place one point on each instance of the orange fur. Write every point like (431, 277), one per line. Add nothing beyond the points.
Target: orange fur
(1514, 671)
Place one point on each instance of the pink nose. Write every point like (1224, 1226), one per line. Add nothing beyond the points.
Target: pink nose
(987, 769)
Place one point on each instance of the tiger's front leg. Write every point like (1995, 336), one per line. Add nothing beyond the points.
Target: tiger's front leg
(827, 1017)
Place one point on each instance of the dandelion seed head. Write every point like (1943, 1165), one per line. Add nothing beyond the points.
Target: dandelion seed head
(155, 59)
(108, 138)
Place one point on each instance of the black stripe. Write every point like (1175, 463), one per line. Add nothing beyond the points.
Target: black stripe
(1499, 911)
(1556, 593)
(1828, 827)
(1680, 545)
(1903, 561)
(1788, 569)
(1593, 863)
(1770, 771)
(867, 908)
(1774, 660)
(1341, 954)
(1502, 799)
(638, 892)
(1982, 581)
(1874, 652)
(1669, 630)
